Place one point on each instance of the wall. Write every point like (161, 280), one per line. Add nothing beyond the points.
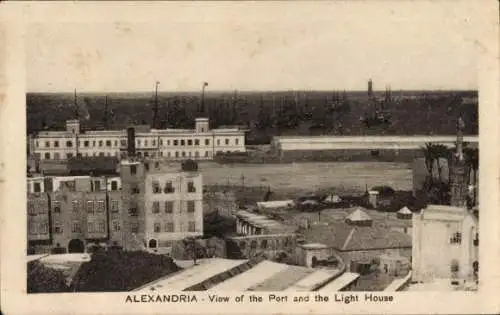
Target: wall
(244, 247)
(372, 255)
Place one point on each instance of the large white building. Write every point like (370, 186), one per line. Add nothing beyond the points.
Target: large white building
(200, 143)
(445, 245)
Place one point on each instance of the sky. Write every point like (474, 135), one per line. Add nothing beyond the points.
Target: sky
(260, 46)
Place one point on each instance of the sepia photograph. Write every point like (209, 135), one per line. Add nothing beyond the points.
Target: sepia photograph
(257, 148)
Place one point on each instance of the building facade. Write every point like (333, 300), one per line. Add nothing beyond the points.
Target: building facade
(445, 244)
(146, 208)
(200, 143)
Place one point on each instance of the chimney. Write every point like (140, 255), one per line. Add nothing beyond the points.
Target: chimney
(131, 141)
(373, 198)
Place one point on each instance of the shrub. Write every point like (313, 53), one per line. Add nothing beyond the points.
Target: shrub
(42, 279)
(121, 271)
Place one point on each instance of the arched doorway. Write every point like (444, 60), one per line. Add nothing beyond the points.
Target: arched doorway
(314, 261)
(76, 246)
(153, 243)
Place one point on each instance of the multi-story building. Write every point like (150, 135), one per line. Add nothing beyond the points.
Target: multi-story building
(446, 238)
(200, 143)
(162, 204)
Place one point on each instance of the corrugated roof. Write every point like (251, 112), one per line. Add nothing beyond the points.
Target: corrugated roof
(345, 237)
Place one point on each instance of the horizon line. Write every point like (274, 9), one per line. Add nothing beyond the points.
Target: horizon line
(255, 91)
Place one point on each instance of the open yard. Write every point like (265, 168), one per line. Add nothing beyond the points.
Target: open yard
(349, 177)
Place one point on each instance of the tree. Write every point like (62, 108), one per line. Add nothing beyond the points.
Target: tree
(42, 279)
(440, 152)
(430, 157)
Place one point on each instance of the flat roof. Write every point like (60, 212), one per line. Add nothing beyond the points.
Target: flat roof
(252, 277)
(341, 282)
(310, 282)
(193, 275)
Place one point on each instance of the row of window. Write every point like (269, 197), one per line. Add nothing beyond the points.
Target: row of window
(176, 154)
(169, 206)
(265, 244)
(145, 143)
(169, 227)
(169, 187)
(92, 206)
(38, 228)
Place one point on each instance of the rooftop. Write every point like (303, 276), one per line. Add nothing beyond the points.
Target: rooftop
(262, 221)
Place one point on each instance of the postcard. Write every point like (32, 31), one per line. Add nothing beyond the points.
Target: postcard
(250, 157)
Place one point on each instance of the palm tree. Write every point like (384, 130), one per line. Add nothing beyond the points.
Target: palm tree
(440, 151)
(430, 157)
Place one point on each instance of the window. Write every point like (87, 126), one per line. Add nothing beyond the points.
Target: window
(183, 142)
(114, 206)
(146, 154)
(47, 144)
(69, 143)
(190, 206)
(114, 185)
(153, 143)
(183, 154)
(133, 212)
(116, 143)
(138, 142)
(57, 229)
(93, 143)
(90, 227)
(236, 141)
(116, 225)
(152, 243)
(44, 228)
(157, 228)
(253, 244)
(160, 141)
(218, 141)
(69, 155)
(263, 244)
(190, 187)
(97, 185)
(476, 240)
(456, 238)
(100, 143)
(36, 144)
(206, 153)
(123, 143)
(90, 207)
(32, 228)
(56, 206)
(226, 141)
(157, 165)
(57, 156)
(56, 144)
(31, 208)
(135, 189)
(196, 154)
(243, 244)
(190, 142)
(176, 142)
(176, 154)
(133, 169)
(169, 206)
(146, 165)
(156, 187)
(75, 205)
(169, 227)
(75, 227)
(156, 207)
(47, 156)
(101, 227)
(37, 187)
(108, 143)
(100, 206)
(168, 142)
(169, 188)
(191, 226)
(134, 228)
